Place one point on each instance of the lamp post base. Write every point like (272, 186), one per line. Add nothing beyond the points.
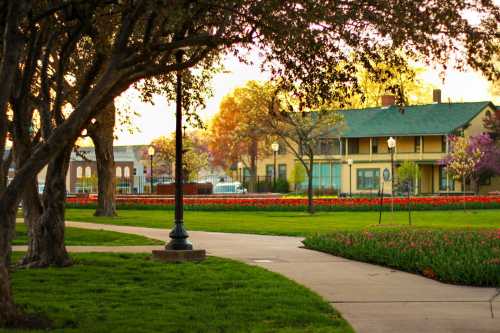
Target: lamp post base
(179, 255)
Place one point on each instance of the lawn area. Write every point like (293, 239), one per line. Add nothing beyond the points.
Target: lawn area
(132, 293)
(294, 223)
(76, 236)
(468, 257)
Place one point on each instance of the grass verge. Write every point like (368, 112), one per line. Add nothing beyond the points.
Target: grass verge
(454, 256)
(293, 223)
(131, 293)
(76, 236)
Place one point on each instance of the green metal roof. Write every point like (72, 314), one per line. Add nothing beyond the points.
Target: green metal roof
(429, 119)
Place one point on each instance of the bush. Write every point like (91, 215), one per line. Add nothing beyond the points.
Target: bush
(461, 257)
(282, 186)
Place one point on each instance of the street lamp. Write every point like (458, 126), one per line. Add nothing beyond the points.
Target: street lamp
(391, 144)
(178, 234)
(275, 147)
(240, 171)
(151, 153)
(349, 162)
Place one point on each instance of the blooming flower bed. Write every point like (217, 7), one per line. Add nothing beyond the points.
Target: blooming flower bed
(461, 256)
(296, 204)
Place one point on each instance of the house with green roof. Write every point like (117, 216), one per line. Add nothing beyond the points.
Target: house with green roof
(358, 160)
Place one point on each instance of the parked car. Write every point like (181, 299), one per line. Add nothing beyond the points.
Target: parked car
(229, 188)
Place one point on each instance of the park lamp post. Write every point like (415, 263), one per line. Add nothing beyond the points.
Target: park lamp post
(275, 147)
(179, 235)
(240, 171)
(391, 144)
(179, 248)
(151, 153)
(349, 162)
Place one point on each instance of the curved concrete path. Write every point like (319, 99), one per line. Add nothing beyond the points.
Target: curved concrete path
(372, 298)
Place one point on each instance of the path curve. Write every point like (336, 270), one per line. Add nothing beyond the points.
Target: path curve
(372, 298)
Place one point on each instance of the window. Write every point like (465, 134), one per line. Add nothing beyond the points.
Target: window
(269, 171)
(417, 144)
(79, 172)
(368, 179)
(282, 149)
(126, 172)
(443, 180)
(118, 171)
(282, 171)
(328, 147)
(374, 145)
(352, 146)
(326, 175)
(88, 172)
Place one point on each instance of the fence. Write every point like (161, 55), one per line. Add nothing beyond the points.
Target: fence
(139, 184)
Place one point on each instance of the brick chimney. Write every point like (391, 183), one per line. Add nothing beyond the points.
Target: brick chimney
(388, 100)
(436, 95)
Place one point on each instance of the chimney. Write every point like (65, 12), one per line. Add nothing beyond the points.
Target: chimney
(436, 96)
(388, 100)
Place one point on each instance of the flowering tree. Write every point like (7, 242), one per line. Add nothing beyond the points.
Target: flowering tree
(461, 162)
(489, 164)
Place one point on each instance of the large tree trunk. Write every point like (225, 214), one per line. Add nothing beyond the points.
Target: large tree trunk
(8, 311)
(46, 245)
(12, 45)
(310, 203)
(102, 136)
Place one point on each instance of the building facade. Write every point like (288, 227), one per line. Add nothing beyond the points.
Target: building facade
(421, 133)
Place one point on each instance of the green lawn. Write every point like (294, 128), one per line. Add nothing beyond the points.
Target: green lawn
(131, 293)
(294, 223)
(75, 236)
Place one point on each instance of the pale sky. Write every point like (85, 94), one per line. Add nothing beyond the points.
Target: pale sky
(156, 120)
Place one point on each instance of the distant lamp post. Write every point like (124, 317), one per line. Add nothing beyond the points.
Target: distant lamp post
(391, 144)
(240, 171)
(349, 162)
(151, 153)
(275, 147)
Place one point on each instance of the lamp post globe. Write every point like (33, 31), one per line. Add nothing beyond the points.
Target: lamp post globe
(151, 153)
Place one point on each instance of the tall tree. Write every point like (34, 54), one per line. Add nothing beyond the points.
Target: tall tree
(302, 129)
(131, 40)
(238, 130)
(194, 158)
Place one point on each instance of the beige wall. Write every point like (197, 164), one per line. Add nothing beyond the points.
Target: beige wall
(432, 144)
(476, 124)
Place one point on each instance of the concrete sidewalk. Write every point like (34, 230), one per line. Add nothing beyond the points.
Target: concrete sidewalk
(372, 298)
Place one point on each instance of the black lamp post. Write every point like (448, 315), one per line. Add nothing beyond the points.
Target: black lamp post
(391, 144)
(275, 147)
(349, 162)
(240, 171)
(178, 234)
(151, 153)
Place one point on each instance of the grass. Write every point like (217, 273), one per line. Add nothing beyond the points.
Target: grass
(453, 256)
(131, 293)
(76, 236)
(294, 223)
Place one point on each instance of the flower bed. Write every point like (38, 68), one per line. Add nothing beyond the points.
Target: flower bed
(295, 204)
(460, 256)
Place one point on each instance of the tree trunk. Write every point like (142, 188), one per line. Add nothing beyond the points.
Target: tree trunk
(8, 311)
(310, 203)
(46, 245)
(102, 135)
